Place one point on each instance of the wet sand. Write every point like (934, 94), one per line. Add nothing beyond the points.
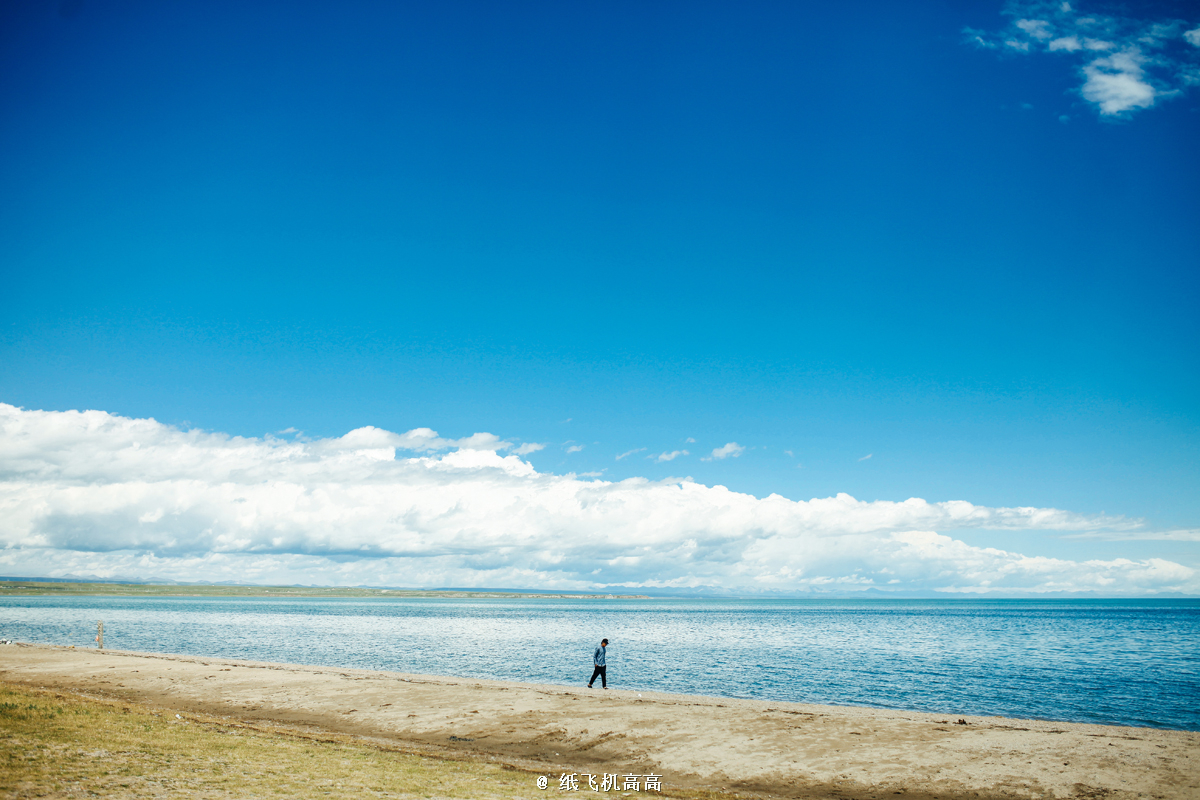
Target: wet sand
(783, 749)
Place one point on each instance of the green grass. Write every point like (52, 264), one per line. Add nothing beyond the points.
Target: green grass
(57, 745)
(54, 745)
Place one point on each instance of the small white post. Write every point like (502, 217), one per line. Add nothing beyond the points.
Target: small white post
(100, 634)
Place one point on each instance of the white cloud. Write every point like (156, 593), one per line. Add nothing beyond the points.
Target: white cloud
(867, 456)
(690, 440)
(1117, 84)
(628, 453)
(674, 454)
(575, 448)
(726, 450)
(1038, 29)
(1068, 43)
(421, 440)
(1126, 64)
(1183, 535)
(528, 447)
(978, 39)
(100, 495)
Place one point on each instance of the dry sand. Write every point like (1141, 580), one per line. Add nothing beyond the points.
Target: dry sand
(785, 749)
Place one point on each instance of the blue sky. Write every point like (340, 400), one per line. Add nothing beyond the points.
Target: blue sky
(955, 238)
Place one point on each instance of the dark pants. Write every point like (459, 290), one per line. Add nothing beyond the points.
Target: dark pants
(602, 672)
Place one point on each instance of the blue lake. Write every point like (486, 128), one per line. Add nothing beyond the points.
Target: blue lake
(1108, 661)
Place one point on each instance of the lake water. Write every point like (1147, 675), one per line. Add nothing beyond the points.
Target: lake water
(1123, 662)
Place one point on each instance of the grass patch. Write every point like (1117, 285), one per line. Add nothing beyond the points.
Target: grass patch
(55, 745)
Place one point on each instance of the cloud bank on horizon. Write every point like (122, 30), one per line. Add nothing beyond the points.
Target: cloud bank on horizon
(92, 493)
(1126, 64)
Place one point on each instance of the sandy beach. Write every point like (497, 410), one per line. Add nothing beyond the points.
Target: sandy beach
(782, 749)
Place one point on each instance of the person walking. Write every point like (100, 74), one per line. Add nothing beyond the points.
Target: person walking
(601, 670)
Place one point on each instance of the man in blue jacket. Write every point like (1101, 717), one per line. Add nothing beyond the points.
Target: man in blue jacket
(598, 660)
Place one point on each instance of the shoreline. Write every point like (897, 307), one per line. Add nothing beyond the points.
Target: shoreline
(695, 742)
(32, 588)
(317, 667)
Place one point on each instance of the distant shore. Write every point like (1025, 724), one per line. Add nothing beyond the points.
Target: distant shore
(695, 743)
(64, 588)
